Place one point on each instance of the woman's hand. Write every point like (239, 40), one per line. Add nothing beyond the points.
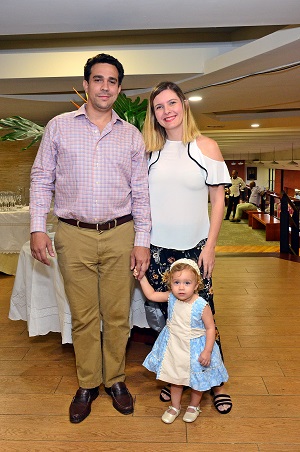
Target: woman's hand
(207, 261)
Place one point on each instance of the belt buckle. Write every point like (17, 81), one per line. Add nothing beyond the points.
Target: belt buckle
(115, 225)
(97, 228)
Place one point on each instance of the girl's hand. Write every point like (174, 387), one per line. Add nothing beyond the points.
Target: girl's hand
(204, 358)
(135, 273)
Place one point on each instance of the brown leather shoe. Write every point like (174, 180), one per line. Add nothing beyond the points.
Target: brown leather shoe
(122, 399)
(80, 406)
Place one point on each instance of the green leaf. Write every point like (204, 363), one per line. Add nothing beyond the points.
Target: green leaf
(132, 111)
(21, 129)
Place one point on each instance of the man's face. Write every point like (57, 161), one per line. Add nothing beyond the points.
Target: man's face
(102, 88)
(234, 174)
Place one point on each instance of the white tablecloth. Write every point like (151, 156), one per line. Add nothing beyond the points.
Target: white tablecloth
(14, 232)
(39, 298)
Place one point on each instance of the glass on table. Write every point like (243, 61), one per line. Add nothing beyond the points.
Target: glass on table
(20, 198)
(5, 201)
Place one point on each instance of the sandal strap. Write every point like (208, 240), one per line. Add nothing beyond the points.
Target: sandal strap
(221, 395)
(165, 391)
(177, 411)
(222, 399)
(195, 408)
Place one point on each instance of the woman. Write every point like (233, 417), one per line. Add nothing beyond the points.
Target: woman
(184, 169)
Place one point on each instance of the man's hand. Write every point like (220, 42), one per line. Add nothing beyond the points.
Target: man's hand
(40, 243)
(140, 260)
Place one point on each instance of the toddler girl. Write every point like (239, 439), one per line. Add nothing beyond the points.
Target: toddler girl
(185, 352)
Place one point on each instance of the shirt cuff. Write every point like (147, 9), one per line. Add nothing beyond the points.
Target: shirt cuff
(142, 239)
(38, 224)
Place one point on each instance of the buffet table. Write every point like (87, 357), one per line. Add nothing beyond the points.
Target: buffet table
(14, 232)
(39, 298)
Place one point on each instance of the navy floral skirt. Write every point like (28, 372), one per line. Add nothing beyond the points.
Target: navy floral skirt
(161, 260)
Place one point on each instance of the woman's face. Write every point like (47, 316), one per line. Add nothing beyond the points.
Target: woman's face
(168, 110)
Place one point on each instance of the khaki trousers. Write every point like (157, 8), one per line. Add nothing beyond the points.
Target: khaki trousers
(98, 282)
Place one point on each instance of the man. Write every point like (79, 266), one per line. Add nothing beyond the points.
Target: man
(253, 204)
(237, 184)
(96, 165)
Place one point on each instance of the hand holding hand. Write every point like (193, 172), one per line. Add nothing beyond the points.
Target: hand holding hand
(135, 273)
(140, 259)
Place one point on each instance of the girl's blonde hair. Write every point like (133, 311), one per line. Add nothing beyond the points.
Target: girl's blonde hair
(154, 134)
(178, 267)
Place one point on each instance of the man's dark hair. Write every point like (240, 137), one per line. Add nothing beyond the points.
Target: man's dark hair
(103, 58)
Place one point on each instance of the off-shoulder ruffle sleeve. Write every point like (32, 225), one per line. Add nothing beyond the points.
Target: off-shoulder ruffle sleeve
(216, 172)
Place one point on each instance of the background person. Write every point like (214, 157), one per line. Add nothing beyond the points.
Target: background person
(253, 204)
(96, 165)
(237, 184)
(185, 168)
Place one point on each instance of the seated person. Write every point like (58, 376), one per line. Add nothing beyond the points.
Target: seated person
(253, 204)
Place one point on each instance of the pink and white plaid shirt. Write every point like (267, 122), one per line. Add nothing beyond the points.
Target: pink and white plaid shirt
(96, 176)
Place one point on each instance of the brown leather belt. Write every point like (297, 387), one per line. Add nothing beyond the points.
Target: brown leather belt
(99, 226)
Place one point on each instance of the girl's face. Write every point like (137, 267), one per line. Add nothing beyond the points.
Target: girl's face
(184, 285)
(168, 110)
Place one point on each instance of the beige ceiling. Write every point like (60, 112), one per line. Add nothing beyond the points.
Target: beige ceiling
(242, 57)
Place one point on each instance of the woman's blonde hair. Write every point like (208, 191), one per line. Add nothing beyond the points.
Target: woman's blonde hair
(168, 275)
(154, 134)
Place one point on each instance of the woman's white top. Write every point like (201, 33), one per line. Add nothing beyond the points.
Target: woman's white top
(178, 184)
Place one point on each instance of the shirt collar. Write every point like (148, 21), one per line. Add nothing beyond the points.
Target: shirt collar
(82, 111)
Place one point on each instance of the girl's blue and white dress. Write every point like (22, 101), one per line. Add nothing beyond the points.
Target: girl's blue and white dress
(174, 356)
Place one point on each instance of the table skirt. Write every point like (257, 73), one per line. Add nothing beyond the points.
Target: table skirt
(38, 297)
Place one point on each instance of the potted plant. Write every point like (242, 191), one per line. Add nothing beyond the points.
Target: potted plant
(132, 111)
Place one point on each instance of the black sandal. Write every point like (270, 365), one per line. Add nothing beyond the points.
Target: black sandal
(222, 399)
(166, 391)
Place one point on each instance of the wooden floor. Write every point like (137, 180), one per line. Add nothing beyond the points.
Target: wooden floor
(258, 314)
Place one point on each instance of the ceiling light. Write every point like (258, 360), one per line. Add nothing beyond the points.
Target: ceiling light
(260, 162)
(195, 98)
(249, 161)
(255, 125)
(292, 162)
(274, 161)
(240, 162)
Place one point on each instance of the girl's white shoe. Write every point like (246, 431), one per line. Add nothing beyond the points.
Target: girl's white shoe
(191, 416)
(168, 417)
